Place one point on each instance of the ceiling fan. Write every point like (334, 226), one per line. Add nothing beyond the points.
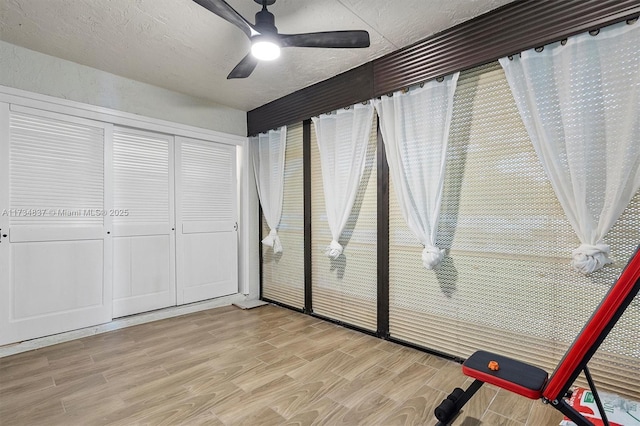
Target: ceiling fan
(266, 41)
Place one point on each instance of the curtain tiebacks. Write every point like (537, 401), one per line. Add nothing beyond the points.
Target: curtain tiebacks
(431, 256)
(273, 240)
(589, 258)
(334, 250)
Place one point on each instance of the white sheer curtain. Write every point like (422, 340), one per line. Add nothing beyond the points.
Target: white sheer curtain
(268, 164)
(580, 103)
(415, 129)
(343, 137)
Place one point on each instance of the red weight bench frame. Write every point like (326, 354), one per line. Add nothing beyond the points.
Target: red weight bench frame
(533, 382)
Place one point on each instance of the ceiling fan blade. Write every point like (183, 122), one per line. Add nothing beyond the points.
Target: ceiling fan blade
(244, 68)
(330, 39)
(226, 12)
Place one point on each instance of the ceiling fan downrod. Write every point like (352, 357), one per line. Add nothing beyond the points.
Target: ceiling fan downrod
(266, 41)
(265, 20)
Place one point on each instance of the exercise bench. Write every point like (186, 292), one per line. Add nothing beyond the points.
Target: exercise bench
(533, 382)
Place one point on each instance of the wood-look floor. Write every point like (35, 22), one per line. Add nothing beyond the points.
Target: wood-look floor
(226, 366)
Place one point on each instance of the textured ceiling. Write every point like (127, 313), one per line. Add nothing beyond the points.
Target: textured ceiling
(178, 45)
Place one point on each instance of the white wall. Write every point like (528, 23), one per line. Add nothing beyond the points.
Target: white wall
(36, 72)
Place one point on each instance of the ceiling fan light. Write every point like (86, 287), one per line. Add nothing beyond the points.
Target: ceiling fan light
(265, 50)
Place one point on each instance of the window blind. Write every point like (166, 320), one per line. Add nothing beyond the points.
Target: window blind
(346, 289)
(506, 284)
(283, 273)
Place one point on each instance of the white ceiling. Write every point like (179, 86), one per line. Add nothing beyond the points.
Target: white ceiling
(178, 45)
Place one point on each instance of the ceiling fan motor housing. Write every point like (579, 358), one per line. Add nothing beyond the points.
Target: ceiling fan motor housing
(265, 22)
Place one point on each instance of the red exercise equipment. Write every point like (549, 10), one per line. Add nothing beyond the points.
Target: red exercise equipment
(533, 382)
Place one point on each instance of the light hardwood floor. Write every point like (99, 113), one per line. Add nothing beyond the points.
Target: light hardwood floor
(226, 366)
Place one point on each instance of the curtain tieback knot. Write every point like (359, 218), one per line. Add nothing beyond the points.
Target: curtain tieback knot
(334, 250)
(589, 258)
(432, 256)
(273, 240)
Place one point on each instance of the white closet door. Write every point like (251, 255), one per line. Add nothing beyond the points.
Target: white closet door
(206, 238)
(143, 236)
(56, 258)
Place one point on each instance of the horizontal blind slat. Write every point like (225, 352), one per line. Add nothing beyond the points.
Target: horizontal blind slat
(55, 166)
(207, 182)
(141, 177)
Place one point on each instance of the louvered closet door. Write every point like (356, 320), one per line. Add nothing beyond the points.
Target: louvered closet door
(56, 257)
(143, 237)
(206, 238)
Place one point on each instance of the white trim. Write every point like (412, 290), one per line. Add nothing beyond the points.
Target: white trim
(92, 112)
(244, 218)
(107, 237)
(173, 283)
(177, 200)
(5, 253)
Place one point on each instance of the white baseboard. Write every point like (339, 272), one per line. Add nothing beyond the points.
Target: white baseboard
(120, 323)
